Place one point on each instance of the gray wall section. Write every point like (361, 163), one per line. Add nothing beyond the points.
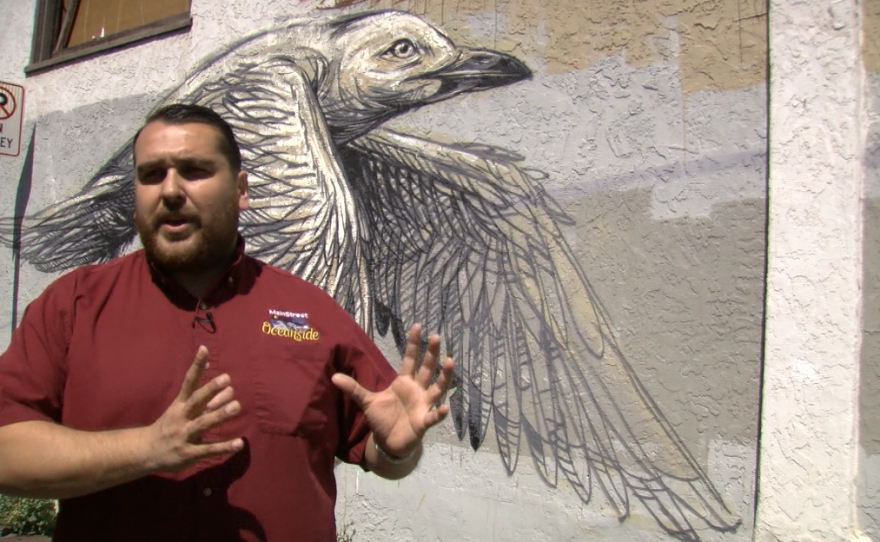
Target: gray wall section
(869, 382)
(666, 186)
(869, 388)
(687, 307)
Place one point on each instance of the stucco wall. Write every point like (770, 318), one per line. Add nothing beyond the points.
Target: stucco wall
(649, 121)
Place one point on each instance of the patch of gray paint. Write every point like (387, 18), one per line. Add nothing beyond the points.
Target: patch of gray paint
(868, 479)
(72, 145)
(872, 152)
(869, 393)
(686, 298)
(868, 505)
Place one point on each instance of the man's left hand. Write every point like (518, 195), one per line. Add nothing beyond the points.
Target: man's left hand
(401, 414)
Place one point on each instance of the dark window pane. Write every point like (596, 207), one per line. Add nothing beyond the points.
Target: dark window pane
(101, 18)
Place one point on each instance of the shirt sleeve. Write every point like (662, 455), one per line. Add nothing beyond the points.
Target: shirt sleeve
(33, 368)
(362, 360)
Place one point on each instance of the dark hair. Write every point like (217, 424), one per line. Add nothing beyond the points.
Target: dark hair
(176, 114)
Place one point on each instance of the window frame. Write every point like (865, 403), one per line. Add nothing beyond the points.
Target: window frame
(48, 18)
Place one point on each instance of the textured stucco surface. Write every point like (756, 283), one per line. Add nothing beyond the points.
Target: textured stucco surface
(650, 122)
(462, 502)
(809, 437)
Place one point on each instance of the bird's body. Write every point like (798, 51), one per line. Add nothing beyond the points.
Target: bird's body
(463, 239)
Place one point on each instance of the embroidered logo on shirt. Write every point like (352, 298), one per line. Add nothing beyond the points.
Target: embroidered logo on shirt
(292, 325)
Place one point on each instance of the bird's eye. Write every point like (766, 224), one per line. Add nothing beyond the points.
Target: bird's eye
(402, 49)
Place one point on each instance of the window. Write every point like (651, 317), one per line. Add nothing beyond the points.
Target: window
(69, 29)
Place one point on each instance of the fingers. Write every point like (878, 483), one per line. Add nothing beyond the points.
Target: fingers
(441, 386)
(221, 448)
(200, 398)
(210, 420)
(195, 452)
(210, 405)
(429, 366)
(350, 387)
(411, 352)
(435, 416)
(226, 394)
(191, 380)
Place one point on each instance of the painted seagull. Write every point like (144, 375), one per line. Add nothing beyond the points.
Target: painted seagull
(462, 238)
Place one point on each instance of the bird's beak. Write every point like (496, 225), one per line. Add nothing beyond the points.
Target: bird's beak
(477, 69)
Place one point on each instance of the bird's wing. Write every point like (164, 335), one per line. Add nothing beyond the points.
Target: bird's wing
(467, 242)
(302, 216)
(95, 225)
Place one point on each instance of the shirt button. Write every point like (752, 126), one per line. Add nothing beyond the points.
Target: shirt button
(207, 492)
(203, 305)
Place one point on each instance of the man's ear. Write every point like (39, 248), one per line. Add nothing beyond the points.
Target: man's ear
(241, 182)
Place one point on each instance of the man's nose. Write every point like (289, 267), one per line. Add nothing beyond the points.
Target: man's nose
(172, 189)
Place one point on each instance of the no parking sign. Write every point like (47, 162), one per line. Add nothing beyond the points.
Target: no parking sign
(11, 107)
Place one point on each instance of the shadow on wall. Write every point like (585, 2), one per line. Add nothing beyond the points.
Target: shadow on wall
(868, 498)
(462, 238)
(869, 377)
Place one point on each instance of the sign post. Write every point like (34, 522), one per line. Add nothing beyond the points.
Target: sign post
(11, 108)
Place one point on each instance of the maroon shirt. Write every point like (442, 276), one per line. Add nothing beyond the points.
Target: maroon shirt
(107, 346)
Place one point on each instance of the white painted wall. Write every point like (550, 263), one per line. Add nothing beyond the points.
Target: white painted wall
(809, 454)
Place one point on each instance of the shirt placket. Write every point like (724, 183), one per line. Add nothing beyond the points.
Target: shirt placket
(208, 504)
(206, 331)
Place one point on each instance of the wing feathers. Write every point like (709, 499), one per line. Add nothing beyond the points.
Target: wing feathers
(96, 225)
(465, 239)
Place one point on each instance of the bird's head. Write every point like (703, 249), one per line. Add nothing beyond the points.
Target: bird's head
(389, 62)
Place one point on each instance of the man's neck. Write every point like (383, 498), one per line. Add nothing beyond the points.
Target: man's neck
(198, 283)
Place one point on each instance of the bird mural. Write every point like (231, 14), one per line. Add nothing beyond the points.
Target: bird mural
(460, 237)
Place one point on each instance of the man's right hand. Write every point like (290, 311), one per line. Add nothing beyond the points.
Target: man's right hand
(47, 460)
(176, 437)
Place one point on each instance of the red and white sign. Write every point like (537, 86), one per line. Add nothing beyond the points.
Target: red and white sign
(11, 108)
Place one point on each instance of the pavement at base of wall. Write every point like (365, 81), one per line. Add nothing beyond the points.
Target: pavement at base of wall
(24, 539)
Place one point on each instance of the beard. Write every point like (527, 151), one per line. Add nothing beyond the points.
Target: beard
(211, 244)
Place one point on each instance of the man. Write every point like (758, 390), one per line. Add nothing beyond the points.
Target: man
(92, 409)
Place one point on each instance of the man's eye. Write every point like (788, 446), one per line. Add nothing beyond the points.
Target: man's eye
(402, 49)
(194, 172)
(150, 177)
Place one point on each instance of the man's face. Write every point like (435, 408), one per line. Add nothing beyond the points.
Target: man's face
(187, 198)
